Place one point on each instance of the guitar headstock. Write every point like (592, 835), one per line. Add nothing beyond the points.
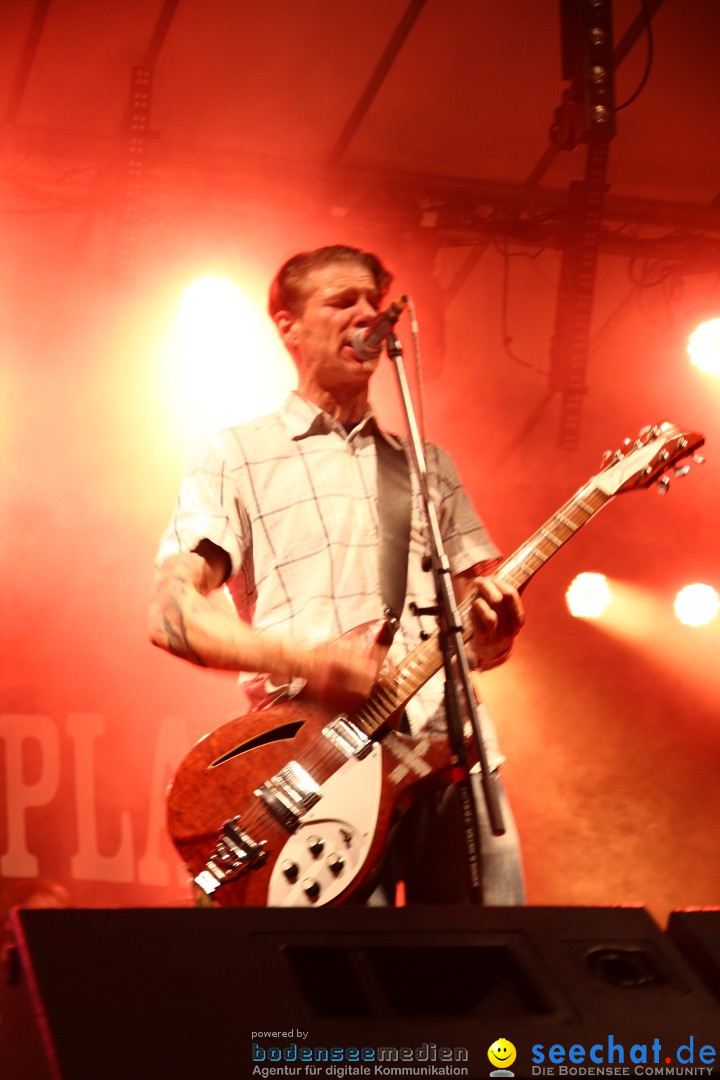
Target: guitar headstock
(645, 461)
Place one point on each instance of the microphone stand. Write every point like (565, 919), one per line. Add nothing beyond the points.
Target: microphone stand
(455, 663)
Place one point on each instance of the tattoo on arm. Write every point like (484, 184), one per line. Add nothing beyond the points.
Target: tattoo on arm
(179, 586)
(176, 634)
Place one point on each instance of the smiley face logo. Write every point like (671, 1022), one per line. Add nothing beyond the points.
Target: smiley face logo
(502, 1053)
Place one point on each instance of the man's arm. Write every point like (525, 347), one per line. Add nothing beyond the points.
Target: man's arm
(186, 620)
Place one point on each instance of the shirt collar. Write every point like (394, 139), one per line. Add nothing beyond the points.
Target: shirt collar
(301, 418)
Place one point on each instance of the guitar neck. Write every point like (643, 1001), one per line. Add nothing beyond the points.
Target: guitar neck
(524, 563)
(426, 658)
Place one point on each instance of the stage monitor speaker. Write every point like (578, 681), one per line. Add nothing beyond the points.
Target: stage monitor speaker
(345, 992)
(696, 933)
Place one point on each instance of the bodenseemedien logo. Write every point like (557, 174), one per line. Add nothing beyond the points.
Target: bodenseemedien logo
(502, 1054)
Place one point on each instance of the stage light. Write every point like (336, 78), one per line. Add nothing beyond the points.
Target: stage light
(225, 361)
(704, 347)
(697, 604)
(588, 596)
(213, 314)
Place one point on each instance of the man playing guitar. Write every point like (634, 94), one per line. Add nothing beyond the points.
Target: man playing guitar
(284, 512)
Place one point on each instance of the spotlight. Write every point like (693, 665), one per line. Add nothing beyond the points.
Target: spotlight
(696, 605)
(588, 595)
(225, 361)
(704, 347)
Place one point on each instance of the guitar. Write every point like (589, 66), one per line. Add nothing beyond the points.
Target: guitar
(291, 805)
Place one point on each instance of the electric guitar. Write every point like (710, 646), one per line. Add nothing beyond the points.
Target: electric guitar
(291, 805)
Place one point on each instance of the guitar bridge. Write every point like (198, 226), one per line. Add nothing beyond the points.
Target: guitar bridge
(235, 852)
(289, 794)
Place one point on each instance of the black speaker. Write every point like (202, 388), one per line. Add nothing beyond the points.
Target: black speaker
(345, 992)
(696, 933)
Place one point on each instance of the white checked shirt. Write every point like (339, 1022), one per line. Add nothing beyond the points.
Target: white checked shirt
(292, 500)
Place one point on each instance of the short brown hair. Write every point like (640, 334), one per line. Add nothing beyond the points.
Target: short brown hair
(288, 290)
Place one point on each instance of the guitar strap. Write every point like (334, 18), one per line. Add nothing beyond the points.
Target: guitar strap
(394, 508)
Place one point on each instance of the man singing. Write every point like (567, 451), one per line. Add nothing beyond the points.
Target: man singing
(283, 510)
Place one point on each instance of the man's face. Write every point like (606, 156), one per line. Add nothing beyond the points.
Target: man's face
(341, 298)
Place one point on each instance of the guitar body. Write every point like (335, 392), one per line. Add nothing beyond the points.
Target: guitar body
(330, 853)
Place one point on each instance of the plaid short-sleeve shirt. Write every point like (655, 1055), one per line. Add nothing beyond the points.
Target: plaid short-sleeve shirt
(292, 499)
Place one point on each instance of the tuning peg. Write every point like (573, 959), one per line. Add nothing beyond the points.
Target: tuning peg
(698, 459)
(663, 485)
(682, 470)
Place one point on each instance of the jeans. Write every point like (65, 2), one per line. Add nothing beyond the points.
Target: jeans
(426, 851)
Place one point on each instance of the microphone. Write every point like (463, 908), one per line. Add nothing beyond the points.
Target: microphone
(369, 341)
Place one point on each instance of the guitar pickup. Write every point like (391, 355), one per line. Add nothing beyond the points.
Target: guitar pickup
(235, 852)
(290, 794)
(347, 738)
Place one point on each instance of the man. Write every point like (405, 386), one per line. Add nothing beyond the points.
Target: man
(284, 511)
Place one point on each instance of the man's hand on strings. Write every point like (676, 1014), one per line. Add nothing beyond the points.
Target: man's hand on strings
(497, 616)
(342, 673)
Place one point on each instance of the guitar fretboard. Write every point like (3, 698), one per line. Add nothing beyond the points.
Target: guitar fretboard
(425, 659)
